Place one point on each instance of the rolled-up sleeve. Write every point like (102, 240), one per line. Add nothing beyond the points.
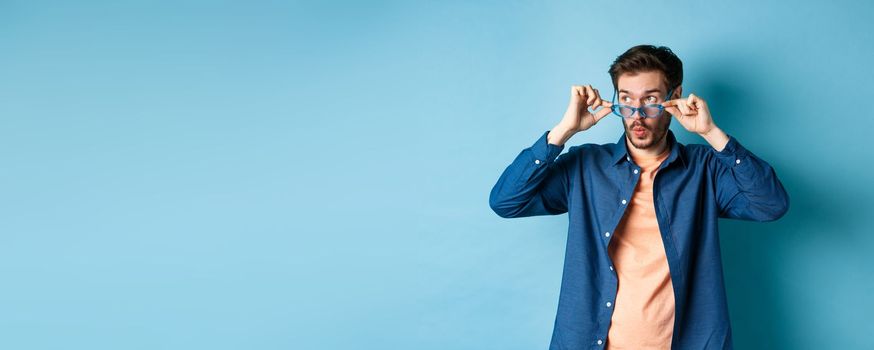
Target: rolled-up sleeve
(535, 183)
(747, 187)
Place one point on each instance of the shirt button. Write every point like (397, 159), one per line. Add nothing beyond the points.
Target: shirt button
(624, 201)
(600, 342)
(628, 158)
(611, 268)
(537, 161)
(737, 161)
(635, 171)
(606, 234)
(609, 303)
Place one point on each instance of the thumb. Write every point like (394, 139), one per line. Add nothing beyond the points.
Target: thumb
(601, 113)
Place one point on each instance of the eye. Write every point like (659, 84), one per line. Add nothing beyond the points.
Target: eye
(651, 98)
(625, 99)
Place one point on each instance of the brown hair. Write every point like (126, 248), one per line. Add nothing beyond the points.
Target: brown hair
(645, 58)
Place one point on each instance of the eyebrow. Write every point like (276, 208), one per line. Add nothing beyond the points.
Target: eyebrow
(645, 92)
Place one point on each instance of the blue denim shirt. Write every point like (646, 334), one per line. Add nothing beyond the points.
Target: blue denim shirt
(593, 183)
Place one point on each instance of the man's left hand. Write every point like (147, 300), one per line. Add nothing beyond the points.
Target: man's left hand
(692, 112)
(694, 115)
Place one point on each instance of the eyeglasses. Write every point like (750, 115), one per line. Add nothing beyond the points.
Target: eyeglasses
(647, 111)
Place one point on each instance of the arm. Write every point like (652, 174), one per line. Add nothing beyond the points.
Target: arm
(747, 188)
(535, 183)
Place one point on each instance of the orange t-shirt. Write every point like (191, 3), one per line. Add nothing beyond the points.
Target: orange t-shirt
(643, 317)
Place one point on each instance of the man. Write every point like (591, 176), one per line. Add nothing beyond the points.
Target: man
(642, 267)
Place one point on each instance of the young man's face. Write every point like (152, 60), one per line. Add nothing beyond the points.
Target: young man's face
(638, 90)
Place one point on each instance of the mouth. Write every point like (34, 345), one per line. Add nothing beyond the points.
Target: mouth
(639, 131)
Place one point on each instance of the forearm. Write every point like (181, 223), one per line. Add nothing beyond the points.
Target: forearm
(559, 135)
(533, 183)
(716, 138)
(747, 186)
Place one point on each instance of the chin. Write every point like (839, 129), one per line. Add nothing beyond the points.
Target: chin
(637, 140)
(642, 145)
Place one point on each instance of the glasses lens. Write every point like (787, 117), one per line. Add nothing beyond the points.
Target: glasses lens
(626, 112)
(652, 110)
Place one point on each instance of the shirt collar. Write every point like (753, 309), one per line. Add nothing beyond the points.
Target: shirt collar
(620, 150)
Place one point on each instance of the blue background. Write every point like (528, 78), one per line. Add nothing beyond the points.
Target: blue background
(315, 175)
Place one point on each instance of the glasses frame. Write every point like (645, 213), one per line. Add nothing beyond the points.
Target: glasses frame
(639, 110)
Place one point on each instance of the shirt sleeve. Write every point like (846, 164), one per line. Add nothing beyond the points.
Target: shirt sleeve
(747, 187)
(535, 183)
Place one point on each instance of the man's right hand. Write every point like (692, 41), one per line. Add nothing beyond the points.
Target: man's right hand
(578, 117)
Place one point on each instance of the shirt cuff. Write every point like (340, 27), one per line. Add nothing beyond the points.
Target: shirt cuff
(543, 151)
(733, 154)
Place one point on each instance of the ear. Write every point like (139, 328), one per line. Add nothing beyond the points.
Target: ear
(677, 92)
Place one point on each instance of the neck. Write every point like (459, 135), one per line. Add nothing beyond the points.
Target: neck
(659, 149)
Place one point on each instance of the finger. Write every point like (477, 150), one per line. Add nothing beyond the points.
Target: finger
(684, 110)
(606, 104)
(669, 103)
(590, 95)
(579, 93)
(597, 102)
(601, 114)
(699, 103)
(673, 111)
(691, 102)
(690, 111)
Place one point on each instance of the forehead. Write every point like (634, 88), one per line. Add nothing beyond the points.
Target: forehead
(641, 83)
